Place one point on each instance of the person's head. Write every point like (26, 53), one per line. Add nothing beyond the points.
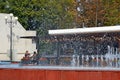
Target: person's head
(27, 51)
(95, 58)
(34, 52)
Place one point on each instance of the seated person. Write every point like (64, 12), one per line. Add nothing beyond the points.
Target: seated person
(26, 58)
(34, 58)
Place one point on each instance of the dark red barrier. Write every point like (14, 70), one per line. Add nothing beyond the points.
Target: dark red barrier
(39, 74)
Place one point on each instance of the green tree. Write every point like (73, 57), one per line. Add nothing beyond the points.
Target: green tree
(33, 14)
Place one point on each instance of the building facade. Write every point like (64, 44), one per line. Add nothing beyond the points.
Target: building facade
(19, 45)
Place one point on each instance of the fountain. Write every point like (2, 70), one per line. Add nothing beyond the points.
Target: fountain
(73, 62)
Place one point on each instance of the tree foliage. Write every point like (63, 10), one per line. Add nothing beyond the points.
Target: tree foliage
(53, 14)
(98, 12)
(34, 14)
(112, 8)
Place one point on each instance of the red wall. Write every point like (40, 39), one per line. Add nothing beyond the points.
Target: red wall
(34, 74)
